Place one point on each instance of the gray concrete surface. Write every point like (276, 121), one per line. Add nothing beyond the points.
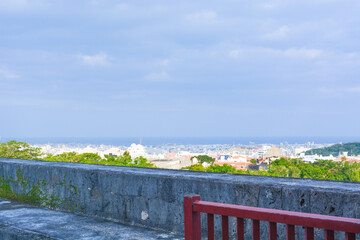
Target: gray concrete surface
(24, 222)
(126, 194)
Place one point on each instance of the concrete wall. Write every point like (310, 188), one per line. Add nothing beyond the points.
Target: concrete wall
(129, 195)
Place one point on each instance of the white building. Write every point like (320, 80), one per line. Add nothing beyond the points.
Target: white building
(314, 158)
(137, 150)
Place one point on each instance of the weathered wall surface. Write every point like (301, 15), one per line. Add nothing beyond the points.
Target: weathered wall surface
(154, 198)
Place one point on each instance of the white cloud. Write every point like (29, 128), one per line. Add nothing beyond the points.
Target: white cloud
(353, 90)
(352, 55)
(136, 94)
(21, 5)
(267, 6)
(291, 52)
(99, 59)
(7, 74)
(165, 62)
(234, 53)
(122, 7)
(201, 17)
(280, 33)
(303, 52)
(127, 96)
(158, 77)
(13, 4)
(339, 91)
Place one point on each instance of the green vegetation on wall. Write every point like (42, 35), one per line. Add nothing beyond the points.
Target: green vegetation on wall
(39, 193)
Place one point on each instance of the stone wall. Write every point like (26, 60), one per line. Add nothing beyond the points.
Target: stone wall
(154, 197)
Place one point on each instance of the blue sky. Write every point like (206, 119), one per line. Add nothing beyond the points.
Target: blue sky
(179, 68)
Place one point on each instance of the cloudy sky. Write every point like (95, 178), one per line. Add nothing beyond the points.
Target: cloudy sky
(179, 68)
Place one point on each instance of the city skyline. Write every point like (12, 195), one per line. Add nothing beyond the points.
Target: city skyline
(137, 68)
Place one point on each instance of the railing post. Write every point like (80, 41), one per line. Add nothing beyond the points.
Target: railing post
(225, 227)
(350, 236)
(272, 231)
(192, 220)
(210, 226)
(290, 232)
(329, 234)
(240, 229)
(256, 229)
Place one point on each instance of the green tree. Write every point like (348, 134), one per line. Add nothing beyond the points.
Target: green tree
(88, 158)
(63, 157)
(94, 158)
(20, 150)
(125, 159)
(223, 169)
(195, 167)
(204, 158)
(335, 149)
(142, 162)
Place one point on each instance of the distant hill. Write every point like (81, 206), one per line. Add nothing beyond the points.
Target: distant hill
(353, 148)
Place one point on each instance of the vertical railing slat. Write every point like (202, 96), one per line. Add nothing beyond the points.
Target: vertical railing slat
(225, 227)
(192, 223)
(240, 229)
(350, 236)
(290, 232)
(192, 220)
(309, 233)
(329, 234)
(272, 231)
(256, 229)
(210, 226)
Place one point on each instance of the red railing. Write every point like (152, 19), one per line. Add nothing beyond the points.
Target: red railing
(193, 207)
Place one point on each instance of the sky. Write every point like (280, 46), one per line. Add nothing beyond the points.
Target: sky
(179, 68)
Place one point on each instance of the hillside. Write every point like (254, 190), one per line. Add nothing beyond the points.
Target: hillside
(353, 148)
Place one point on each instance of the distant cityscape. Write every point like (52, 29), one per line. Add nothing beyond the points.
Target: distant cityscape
(176, 156)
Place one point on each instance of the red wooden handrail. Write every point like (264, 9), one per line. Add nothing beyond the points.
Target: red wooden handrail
(193, 207)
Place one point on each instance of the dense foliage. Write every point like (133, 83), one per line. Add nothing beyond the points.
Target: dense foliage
(94, 158)
(334, 150)
(322, 169)
(21, 150)
(295, 168)
(213, 168)
(204, 158)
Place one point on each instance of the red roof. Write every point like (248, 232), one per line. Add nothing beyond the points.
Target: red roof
(237, 165)
(170, 155)
(237, 157)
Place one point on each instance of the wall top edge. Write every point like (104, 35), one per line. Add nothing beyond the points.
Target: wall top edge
(198, 176)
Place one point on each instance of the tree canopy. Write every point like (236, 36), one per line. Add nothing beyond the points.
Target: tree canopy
(335, 149)
(204, 158)
(295, 168)
(212, 168)
(21, 150)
